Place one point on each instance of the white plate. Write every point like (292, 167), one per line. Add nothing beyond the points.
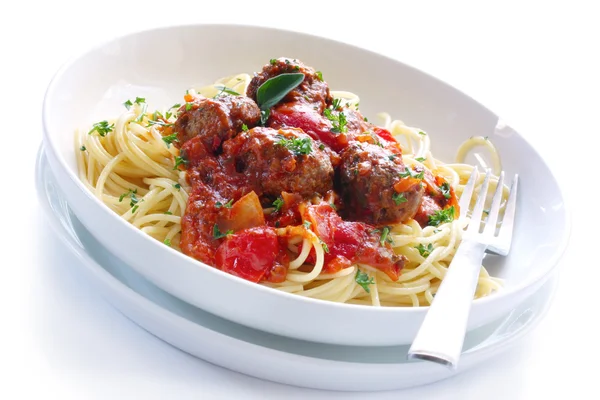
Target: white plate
(261, 354)
(93, 87)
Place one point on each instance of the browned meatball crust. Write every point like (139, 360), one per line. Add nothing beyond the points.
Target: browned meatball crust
(215, 120)
(368, 178)
(285, 160)
(313, 90)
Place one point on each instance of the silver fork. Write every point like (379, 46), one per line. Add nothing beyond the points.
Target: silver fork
(441, 336)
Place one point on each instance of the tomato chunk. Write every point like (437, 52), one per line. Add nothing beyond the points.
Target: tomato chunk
(251, 253)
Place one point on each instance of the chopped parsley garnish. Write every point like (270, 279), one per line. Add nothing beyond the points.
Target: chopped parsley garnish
(425, 251)
(229, 204)
(337, 103)
(422, 133)
(420, 159)
(442, 216)
(325, 247)
(366, 119)
(131, 194)
(102, 128)
(273, 61)
(321, 146)
(487, 212)
(179, 161)
(167, 242)
(170, 139)
(409, 173)
(307, 224)
(337, 121)
(319, 75)
(158, 122)
(82, 148)
(445, 188)
(363, 279)
(333, 206)
(188, 106)
(225, 89)
(245, 127)
(141, 101)
(134, 209)
(168, 213)
(128, 104)
(486, 138)
(399, 198)
(177, 186)
(296, 145)
(217, 234)
(278, 203)
(392, 157)
(385, 236)
(175, 106)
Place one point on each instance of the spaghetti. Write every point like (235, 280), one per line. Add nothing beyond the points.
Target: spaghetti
(130, 164)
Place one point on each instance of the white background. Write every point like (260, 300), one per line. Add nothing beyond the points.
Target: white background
(536, 64)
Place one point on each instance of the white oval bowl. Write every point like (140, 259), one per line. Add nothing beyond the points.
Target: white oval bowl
(94, 85)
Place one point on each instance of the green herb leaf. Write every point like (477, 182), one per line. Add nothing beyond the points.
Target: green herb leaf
(324, 246)
(363, 279)
(441, 216)
(333, 206)
(296, 145)
(225, 89)
(425, 251)
(337, 103)
(392, 157)
(278, 203)
(420, 159)
(217, 234)
(170, 139)
(399, 198)
(319, 75)
(338, 121)
(82, 148)
(409, 173)
(264, 116)
(167, 242)
(385, 236)
(128, 104)
(245, 127)
(177, 186)
(229, 204)
(321, 146)
(139, 100)
(188, 106)
(422, 133)
(445, 188)
(307, 224)
(273, 61)
(102, 128)
(179, 161)
(274, 89)
(168, 213)
(130, 192)
(158, 122)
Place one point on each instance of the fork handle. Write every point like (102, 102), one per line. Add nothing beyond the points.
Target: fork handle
(441, 336)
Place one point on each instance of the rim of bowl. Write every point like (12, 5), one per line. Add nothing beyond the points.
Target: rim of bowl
(52, 87)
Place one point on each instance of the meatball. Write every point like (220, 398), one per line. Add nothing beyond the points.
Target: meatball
(372, 187)
(313, 90)
(215, 120)
(285, 160)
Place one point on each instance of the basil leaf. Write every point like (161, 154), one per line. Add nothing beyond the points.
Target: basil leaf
(274, 89)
